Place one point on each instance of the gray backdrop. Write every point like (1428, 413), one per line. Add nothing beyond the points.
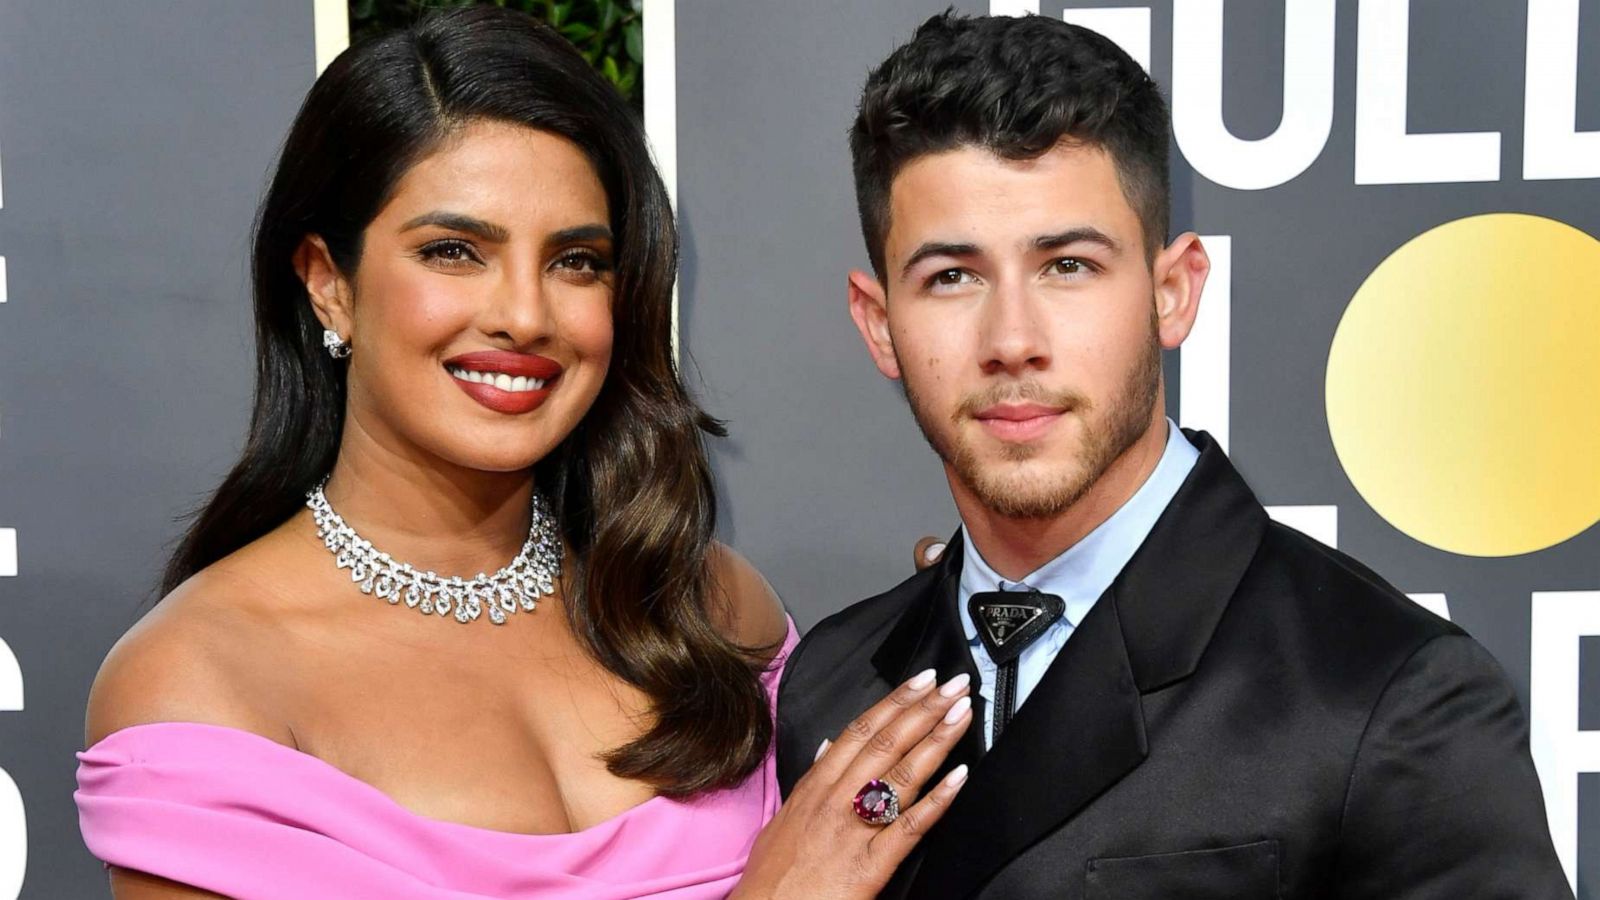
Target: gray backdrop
(135, 139)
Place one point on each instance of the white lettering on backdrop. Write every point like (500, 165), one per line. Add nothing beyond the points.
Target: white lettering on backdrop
(1385, 152)
(13, 815)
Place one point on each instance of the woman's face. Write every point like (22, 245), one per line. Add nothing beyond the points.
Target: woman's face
(480, 312)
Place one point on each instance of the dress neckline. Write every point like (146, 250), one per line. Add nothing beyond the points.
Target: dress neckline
(263, 743)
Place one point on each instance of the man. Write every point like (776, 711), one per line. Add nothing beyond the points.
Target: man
(1177, 698)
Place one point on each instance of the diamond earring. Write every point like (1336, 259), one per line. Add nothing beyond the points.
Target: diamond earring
(337, 347)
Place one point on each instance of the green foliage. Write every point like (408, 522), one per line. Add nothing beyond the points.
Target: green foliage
(609, 33)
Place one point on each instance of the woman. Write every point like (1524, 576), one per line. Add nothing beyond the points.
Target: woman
(463, 273)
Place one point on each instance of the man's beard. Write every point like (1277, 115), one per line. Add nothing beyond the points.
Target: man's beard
(1021, 495)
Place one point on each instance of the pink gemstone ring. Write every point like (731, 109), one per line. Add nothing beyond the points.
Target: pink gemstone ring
(877, 803)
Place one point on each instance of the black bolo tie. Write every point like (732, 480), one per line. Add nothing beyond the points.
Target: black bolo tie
(1008, 621)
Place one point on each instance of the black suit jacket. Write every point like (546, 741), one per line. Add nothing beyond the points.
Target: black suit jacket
(1244, 714)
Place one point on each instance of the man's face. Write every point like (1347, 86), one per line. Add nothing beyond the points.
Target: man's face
(1020, 311)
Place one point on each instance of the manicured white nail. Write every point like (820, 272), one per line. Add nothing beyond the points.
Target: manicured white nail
(957, 776)
(958, 711)
(933, 552)
(955, 685)
(922, 679)
(821, 749)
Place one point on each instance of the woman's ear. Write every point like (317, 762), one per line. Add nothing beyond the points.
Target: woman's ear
(329, 291)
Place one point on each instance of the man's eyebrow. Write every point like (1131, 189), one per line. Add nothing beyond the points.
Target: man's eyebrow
(937, 248)
(459, 222)
(1081, 234)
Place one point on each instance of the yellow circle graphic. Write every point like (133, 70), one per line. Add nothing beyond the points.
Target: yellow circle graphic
(1464, 386)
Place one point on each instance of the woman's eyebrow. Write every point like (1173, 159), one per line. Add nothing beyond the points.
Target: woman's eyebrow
(460, 222)
(581, 233)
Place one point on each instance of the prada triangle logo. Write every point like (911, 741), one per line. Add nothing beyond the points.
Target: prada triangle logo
(1005, 620)
(1008, 621)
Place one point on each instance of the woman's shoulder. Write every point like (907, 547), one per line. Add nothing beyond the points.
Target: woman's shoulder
(197, 656)
(753, 616)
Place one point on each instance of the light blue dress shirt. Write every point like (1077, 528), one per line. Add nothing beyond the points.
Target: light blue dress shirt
(1078, 576)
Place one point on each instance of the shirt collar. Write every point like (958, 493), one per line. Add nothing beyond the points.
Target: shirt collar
(1082, 572)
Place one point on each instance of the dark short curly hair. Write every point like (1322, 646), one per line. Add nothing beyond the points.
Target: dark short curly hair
(1015, 86)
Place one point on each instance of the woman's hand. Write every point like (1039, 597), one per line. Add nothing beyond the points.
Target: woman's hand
(817, 847)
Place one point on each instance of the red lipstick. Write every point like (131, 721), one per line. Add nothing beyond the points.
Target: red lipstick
(513, 364)
(487, 364)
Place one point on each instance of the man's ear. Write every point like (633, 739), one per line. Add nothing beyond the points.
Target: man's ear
(1179, 273)
(869, 307)
(329, 291)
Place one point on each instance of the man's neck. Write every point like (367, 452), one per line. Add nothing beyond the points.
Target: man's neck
(1015, 547)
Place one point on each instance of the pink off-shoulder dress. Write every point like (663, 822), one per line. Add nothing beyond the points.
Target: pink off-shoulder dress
(243, 816)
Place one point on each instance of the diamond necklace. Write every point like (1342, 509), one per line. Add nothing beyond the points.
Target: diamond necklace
(520, 584)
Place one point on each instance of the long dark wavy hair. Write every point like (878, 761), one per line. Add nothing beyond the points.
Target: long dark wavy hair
(631, 484)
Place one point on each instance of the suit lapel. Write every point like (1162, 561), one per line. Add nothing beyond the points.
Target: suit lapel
(1174, 590)
(929, 636)
(1055, 757)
